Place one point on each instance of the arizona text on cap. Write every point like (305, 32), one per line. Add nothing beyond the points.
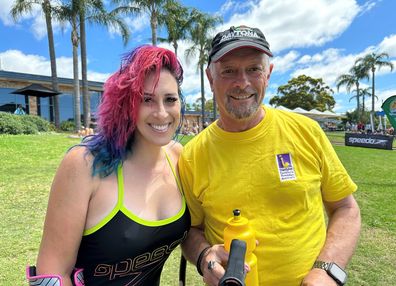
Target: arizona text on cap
(235, 38)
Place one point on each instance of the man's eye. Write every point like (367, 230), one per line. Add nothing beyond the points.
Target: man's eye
(228, 71)
(255, 69)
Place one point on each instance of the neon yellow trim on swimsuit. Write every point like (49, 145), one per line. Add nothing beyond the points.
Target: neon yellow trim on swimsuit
(137, 219)
(120, 199)
(120, 205)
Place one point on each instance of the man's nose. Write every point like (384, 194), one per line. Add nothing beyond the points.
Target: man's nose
(241, 79)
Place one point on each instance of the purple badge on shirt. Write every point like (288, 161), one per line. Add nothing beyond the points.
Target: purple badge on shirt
(285, 167)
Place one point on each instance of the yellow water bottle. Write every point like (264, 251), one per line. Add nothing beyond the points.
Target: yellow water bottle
(238, 228)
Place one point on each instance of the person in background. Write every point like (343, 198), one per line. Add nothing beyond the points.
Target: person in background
(277, 167)
(19, 110)
(116, 209)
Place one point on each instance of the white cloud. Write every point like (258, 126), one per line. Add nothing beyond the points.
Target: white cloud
(388, 45)
(17, 61)
(232, 6)
(35, 19)
(286, 62)
(5, 8)
(293, 24)
(135, 25)
(369, 5)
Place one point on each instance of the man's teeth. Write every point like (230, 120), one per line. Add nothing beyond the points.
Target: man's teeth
(160, 127)
(242, 97)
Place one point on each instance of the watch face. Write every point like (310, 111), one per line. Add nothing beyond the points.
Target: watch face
(336, 272)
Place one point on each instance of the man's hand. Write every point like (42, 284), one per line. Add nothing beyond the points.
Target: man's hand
(218, 258)
(318, 277)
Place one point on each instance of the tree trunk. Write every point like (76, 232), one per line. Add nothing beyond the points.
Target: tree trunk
(358, 101)
(363, 104)
(372, 100)
(175, 46)
(54, 76)
(201, 67)
(76, 84)
(153, 24)
(85, 91)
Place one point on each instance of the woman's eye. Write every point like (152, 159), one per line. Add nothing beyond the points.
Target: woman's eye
(172, 99)
(147, 99)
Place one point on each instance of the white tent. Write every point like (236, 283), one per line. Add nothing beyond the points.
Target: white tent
(313, 113)
(283, 108)
(300, 110)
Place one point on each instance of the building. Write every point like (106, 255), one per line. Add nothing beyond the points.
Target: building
(11, 81)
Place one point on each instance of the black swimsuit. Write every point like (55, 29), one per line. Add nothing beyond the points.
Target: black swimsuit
(124, 249)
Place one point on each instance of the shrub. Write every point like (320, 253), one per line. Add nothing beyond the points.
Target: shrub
(67, 126)
(10, 124)
(27, 124)
(42, 124)
(22, 124)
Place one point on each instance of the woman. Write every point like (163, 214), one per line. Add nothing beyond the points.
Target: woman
(116, 209)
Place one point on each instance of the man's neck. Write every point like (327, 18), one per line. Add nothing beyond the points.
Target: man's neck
(234, 125)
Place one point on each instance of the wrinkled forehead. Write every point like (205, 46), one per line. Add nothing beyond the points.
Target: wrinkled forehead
(243, 55)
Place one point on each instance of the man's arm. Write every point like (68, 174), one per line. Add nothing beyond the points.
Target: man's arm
(342, 236)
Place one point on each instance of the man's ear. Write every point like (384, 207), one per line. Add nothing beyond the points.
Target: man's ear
(270, 71)
(268, 75)
(210, 78)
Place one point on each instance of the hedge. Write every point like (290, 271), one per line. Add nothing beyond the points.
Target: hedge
(22, 124)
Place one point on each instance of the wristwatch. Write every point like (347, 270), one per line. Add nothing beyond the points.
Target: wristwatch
(333, 270)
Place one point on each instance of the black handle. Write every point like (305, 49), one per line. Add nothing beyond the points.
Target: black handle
(235, 273)
(182, 271)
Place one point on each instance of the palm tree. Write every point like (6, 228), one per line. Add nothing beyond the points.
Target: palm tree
(352, 79)
(21, 7)
(363, 93)
(199, 33)
(69, 12)
(369, 63)
(77, 12)
(154, 8)
(176, 19)
(94, 11)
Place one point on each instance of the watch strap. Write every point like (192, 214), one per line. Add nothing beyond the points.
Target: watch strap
(326, 267)
(322, 265)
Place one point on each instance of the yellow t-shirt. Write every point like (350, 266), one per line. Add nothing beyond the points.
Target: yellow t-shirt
(277, 174)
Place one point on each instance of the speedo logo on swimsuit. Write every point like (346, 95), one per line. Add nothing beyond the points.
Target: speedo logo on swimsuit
(134, 267)
(245, 33)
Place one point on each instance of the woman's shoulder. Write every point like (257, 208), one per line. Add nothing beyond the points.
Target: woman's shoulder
(77, 159)
(174, 148)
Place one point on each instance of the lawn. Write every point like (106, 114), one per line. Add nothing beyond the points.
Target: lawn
(28, 164)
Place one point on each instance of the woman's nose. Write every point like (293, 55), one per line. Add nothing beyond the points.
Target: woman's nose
(160, 110)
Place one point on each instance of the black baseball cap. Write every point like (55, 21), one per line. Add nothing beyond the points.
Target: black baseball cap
(235, 38)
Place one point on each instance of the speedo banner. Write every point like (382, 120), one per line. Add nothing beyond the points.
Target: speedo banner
(389, 107)
(369, 140)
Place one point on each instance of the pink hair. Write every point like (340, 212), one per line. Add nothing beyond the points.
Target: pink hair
(123, 92)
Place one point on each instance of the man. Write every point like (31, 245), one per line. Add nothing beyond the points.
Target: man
(277, 167)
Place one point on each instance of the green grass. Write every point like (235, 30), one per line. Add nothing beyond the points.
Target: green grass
(28, 164)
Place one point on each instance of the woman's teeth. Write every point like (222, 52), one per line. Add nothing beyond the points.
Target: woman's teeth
(158, 127)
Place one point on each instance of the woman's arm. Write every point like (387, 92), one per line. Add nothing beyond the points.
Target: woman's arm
(66, 214)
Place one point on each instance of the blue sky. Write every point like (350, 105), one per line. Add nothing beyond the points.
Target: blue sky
(319, 38)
